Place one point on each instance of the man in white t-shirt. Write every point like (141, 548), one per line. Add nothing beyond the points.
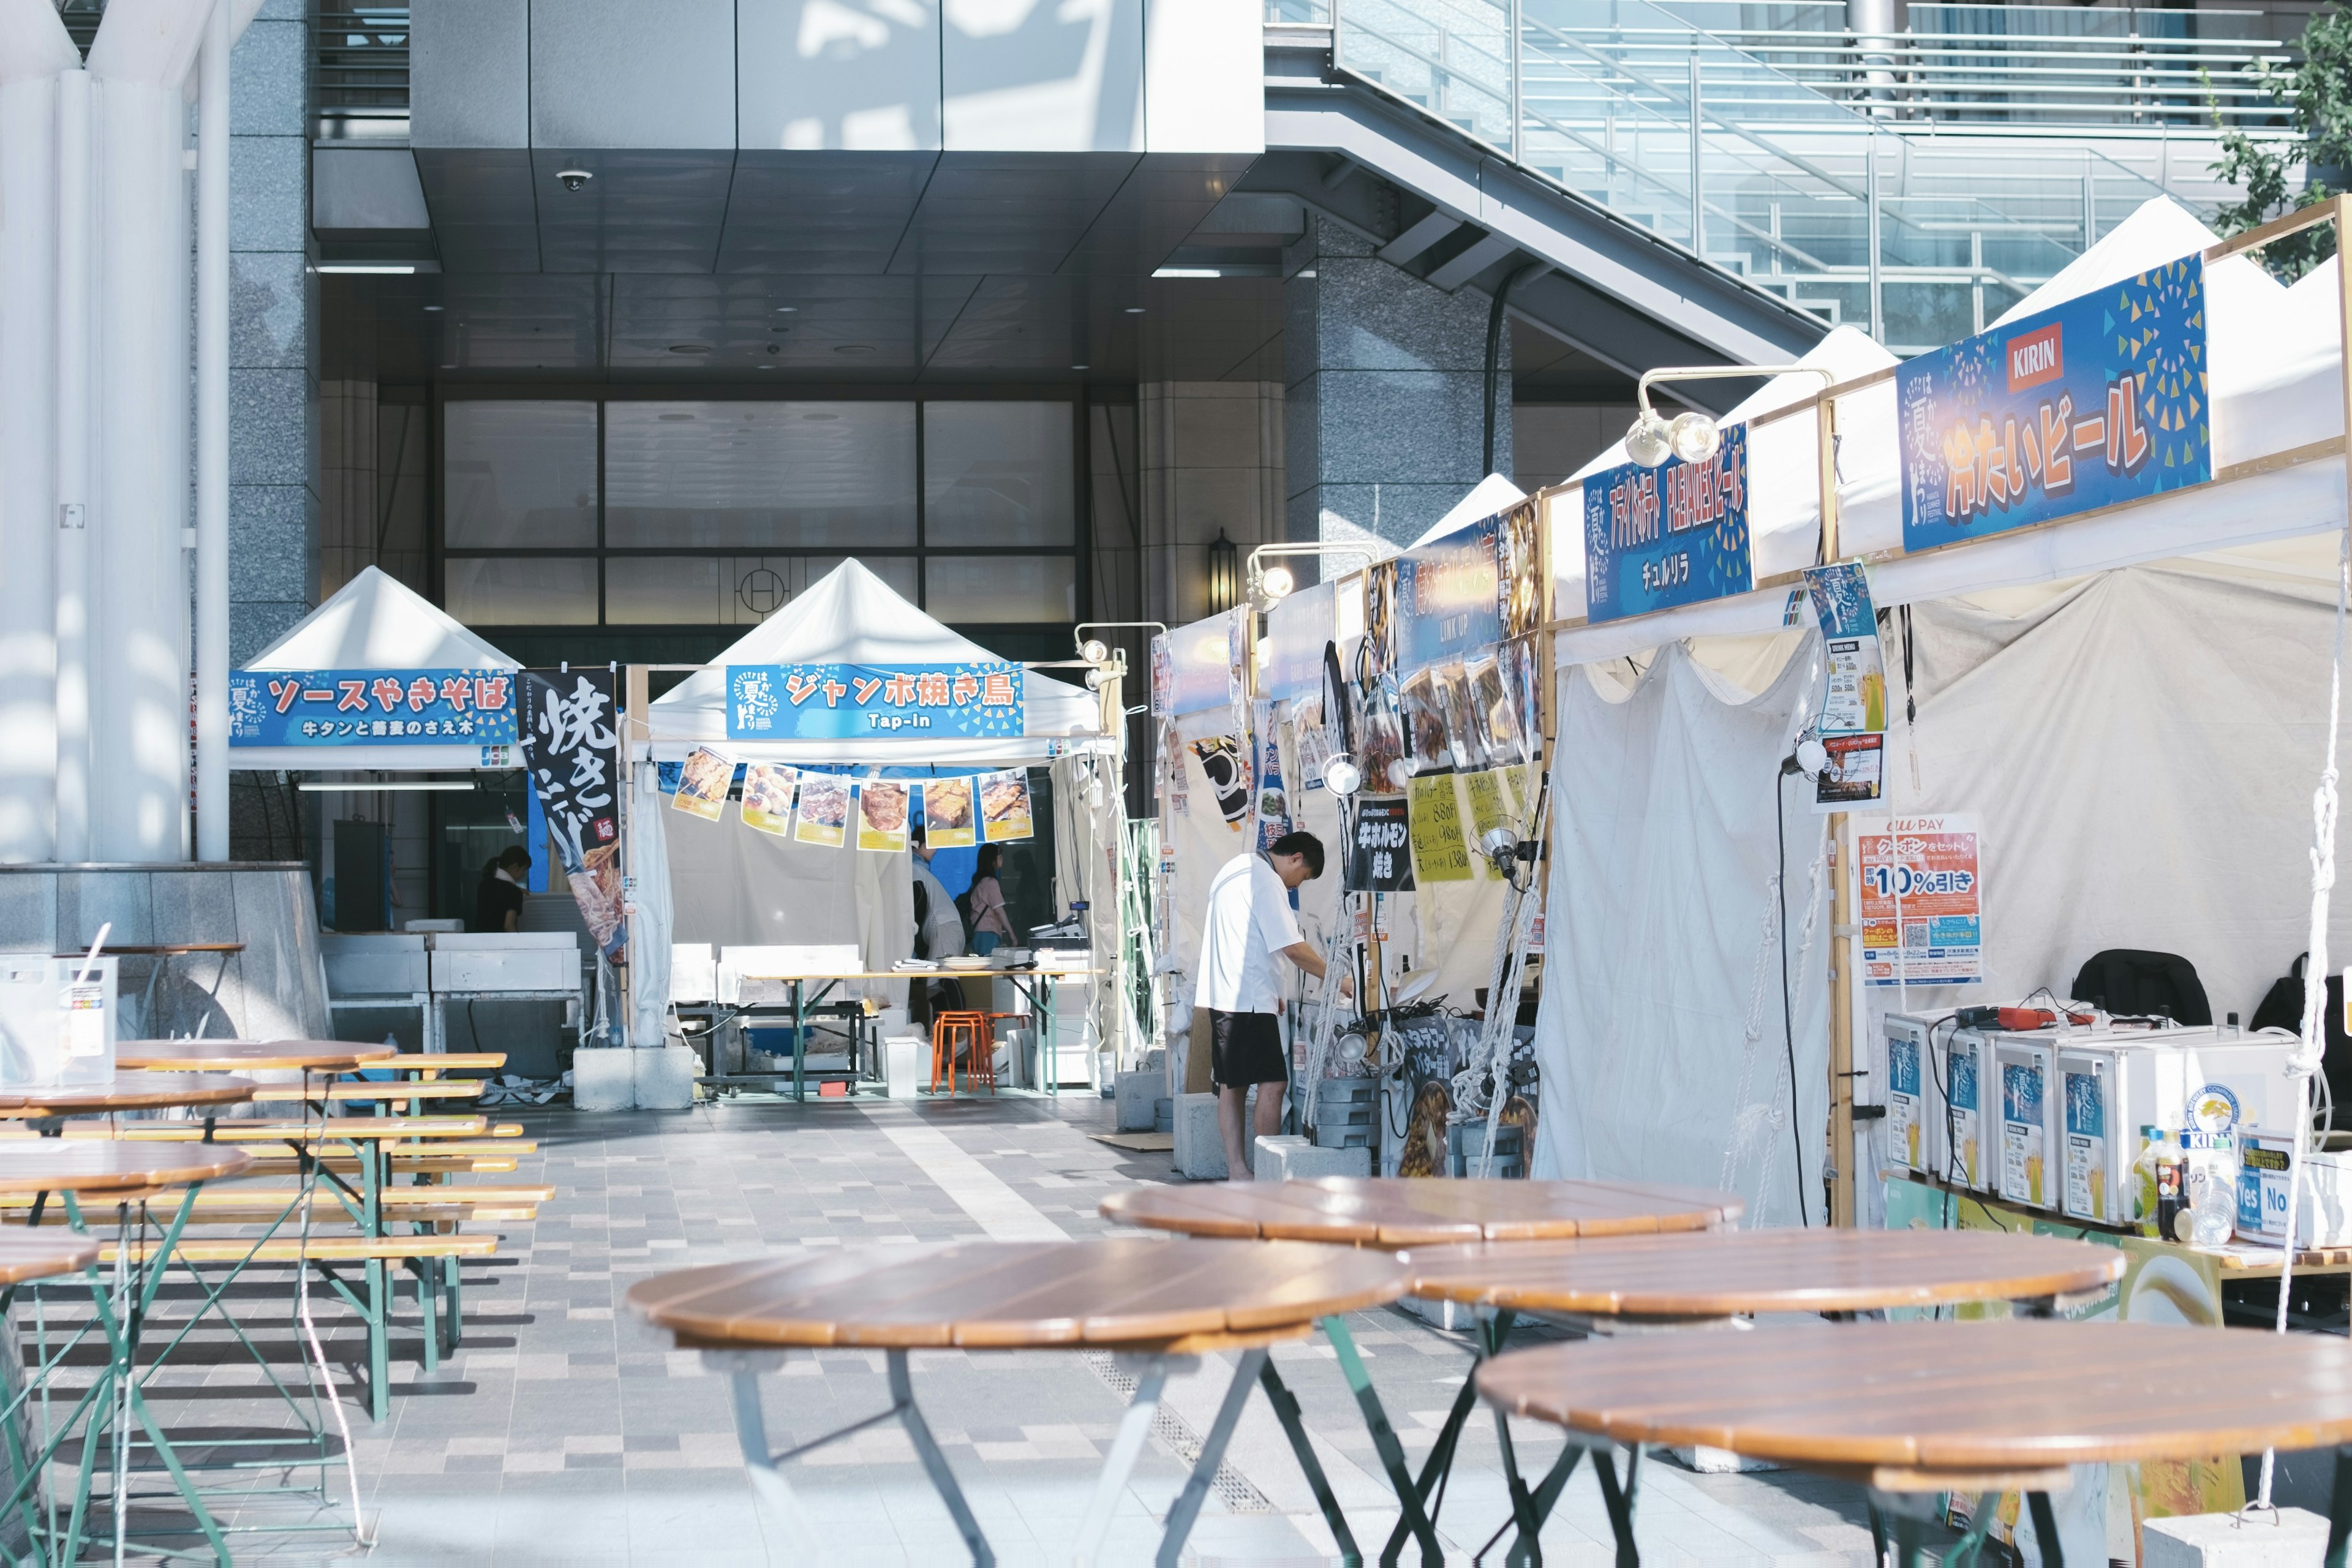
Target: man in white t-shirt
(1249, 922)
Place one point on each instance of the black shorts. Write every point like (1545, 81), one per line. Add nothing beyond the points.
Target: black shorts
(1245, 1048)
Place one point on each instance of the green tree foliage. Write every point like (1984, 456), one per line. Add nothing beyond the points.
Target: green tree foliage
(2316, 93)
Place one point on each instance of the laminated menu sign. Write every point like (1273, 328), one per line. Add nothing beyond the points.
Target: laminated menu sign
(824, 810)
(1921, 874)
(2095, 402)
(1379, 855)
(1855, 774)
(1005, 805)
(1435, 815)
(703, 784)
(882, 806)
(946, 813)
(1902, 1101)
(1676, 534)
(1853, 698)
(768, 797)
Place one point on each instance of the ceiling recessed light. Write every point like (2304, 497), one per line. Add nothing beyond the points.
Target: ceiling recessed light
(1135, 310)
(433, 307)
(386, 269)
(689, 348)
(763, 367)
(1079, 367)
(786, 309)
(1187, 272)
(855, 349)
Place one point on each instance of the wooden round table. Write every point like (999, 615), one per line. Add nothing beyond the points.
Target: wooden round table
(1908, 1408)
(113, 1168)
(1154, 1301)
(1727, 1274)
(1391, 1212)
(1415, 1212)
(248, 1056)
(130, 1091)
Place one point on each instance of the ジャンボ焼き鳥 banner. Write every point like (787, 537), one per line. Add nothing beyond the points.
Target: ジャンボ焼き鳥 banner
(836, 701)
(2098, 401)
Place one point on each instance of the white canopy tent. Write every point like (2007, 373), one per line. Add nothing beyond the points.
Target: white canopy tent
(852, 617)
(374, 622)
(728, 885)
(2132, 705)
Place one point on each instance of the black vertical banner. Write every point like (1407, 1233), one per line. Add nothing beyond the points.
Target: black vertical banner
(1380, 855)
(569, 743)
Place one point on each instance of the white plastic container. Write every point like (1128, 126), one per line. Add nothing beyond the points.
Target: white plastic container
(2111, 1085)
(1909, 1149)
(1959, 1130)
(904, 1060)
(2030, 1119)
(56, 1028)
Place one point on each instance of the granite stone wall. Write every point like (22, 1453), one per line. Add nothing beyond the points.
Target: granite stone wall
(1384, 392)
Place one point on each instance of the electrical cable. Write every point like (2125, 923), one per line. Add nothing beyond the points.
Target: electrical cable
(1788, 1009)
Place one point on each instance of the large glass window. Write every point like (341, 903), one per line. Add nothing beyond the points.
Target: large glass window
(542, 590)
(998, 473)
(520, 476)
(677, 513)
(985, 589)
(759, 474)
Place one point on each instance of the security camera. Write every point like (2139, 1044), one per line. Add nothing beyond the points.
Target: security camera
(573, 179)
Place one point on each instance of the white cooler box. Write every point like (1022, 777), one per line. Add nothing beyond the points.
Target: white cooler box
(507, 960)
(2112, 1085)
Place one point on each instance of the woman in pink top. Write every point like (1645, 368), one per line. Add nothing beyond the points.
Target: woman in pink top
(990, 927)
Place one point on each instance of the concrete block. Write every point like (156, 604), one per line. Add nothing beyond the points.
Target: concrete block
(1709, 1461)
(904, 1058)
(603, 1080)
(2295, 1538)
(1200, 1152)
(1451, 1316)
(664, 1078)
(1134, 1092)
(1294, 1159)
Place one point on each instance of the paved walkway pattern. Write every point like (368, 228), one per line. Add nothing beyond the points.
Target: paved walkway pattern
(566, 1432)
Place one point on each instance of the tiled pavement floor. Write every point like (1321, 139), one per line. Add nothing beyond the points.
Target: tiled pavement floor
(565, 1432)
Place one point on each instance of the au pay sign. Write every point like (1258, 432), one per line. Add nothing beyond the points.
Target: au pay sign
(1921, 900)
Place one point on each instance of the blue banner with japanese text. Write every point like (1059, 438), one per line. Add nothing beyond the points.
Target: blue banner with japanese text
(1448, 601)
(1674, 534)
(836, 701)
(372, 708)
(2098, 401)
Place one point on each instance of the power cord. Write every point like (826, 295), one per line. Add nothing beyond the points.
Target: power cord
(1787, 1009)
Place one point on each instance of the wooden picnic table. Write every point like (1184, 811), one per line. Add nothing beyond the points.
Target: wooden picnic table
(248, 1055)
(1160, 1302)
(1912, 1409)
(1389, 1213)
(91, 1166)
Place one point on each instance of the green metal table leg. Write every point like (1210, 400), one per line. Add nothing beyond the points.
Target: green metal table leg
(1286, 1410)
(428, 1300)
(1439, 1467)
(799, 1042)
(1385, 1442)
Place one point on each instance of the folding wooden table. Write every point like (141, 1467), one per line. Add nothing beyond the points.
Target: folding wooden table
(1155, 1304)
(1720, 1276)
(1911, 1410)
(1386, 1214)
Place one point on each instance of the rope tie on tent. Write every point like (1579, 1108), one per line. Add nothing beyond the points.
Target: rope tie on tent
(2304, 1059)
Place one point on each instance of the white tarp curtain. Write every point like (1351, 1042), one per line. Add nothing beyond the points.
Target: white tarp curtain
(733, 886)
(2140, 749)
(372, 622)
(851, 617)
(650, 923)
(2274, 378)
(1660, 957)
(1089, 819)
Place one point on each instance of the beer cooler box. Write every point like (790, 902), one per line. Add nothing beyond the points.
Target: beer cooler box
(2111, 1086)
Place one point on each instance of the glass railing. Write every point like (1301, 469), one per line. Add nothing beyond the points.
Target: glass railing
(1831, 202)
(359, 76)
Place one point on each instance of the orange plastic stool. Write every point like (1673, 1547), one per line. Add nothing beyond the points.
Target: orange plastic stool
(948, 1030)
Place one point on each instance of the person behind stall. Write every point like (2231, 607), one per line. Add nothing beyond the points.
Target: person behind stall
(939, 926)
(498, 901)
(991, 926)
(1249, 922)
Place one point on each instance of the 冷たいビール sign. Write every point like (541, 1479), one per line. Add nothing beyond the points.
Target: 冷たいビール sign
(372, 708)
(2098, 401)
(836, 701)
(1674, 534)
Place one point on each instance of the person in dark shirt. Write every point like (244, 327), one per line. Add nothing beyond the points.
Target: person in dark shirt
(497, 902)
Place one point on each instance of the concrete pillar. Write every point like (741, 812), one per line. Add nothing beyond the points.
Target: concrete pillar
(1384, 392)
(1210, 459)
(34, 48)
(273, 309)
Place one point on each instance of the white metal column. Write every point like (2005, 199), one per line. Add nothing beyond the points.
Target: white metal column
(73, 463)
(212, 440)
